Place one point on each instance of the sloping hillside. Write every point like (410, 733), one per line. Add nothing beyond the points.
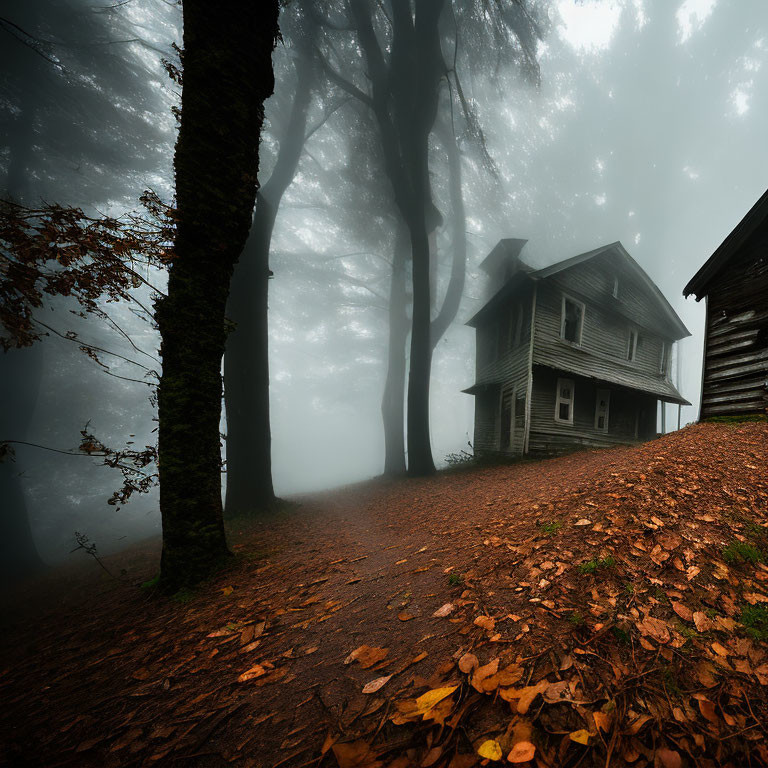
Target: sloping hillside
(604, 608)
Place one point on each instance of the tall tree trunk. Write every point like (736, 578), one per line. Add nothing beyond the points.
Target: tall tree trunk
(458, 225)
(246, 362)
(427, 62)
(20, 372)
(246, 374)
(227, 77)
(393, 401)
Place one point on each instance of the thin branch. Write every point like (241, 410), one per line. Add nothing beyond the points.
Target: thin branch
(92, 346)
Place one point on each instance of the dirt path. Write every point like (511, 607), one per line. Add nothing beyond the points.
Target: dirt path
(251, 669)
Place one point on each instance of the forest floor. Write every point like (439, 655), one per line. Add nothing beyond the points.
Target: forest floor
(605, 608)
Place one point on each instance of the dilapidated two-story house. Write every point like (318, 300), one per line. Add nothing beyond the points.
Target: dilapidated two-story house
(575, 354)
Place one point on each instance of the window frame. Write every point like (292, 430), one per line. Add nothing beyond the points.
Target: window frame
(566, 298)
(631, 353)
(666, 357)
(559, 400)
(607, 399)
(615, 291)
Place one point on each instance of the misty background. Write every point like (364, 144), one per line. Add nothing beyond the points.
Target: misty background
(648, 126)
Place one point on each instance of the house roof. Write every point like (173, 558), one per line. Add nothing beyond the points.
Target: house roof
(699, 283)
(506, 249)
(617, 249)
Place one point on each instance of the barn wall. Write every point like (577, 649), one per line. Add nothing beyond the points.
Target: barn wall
(736, 353)
(632, 416)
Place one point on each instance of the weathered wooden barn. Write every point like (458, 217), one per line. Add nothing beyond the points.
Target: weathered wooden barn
(575, 354)
(734, 281)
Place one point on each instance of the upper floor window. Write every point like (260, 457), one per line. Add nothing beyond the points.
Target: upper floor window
(572, 320)
(664, 361)
(517, 328)
(615, 292)
(632, 344)
(564, 401)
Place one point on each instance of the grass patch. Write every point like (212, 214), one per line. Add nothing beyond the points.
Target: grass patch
(737, 419)
(183, 596)
(742, 552)
(754, 619)
(594, 565)
(551, 527)
(456, 579)
(576, 619)
(152, 583)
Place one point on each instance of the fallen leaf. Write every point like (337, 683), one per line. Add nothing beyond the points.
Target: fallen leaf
(580, 736)
(486, 622)
(634, 727)
(685, 613)
(603, 721)
(405, 616)
(367, 656)
(376, 684)
(428, 700)
(490, 749)
(444, 611)
(703, 624)
(252, 673)
(707, 709)
(468, 662)
(522, 752)
(355, 754)
(669, 758)
(227, 591)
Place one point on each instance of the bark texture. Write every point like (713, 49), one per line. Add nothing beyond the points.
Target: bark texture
(227, 76)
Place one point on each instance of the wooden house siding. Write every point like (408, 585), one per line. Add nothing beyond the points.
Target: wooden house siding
(507, 371)
(734, 281)
(602, 353)
(736, 351)
(631, 417)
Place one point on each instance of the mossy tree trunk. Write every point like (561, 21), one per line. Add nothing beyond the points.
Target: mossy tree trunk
(227, 76)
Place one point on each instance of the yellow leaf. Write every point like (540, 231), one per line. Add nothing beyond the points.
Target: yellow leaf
(490, 749)
(227, 591)
(580, 737)
(427, 700)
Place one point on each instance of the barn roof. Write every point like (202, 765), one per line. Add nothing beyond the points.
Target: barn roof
(615, 249)
(699, 283)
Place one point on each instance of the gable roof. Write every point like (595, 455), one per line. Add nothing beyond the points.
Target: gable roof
(616, 248)
(712, 267)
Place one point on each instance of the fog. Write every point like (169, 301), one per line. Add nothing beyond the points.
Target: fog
(645, 123)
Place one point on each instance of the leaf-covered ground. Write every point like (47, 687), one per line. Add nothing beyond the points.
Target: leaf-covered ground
(607, 608)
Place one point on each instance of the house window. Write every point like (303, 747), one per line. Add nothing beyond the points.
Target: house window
(505, 439)
(572, 322)
(615, 292)
(518, 327)
(632, 345)
(664, 362)
(602, 405)
(564, 401)
(520, 412)
(502, 336)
